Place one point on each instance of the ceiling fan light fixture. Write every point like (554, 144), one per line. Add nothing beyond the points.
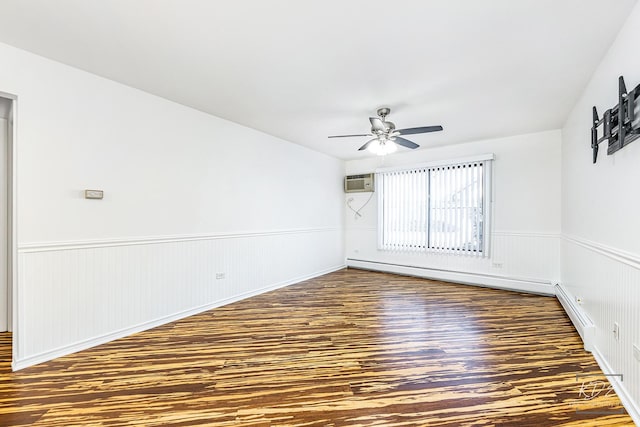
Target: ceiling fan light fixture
(382, 147)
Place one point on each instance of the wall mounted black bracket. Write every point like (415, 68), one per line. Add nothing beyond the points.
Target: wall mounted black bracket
(619, 125)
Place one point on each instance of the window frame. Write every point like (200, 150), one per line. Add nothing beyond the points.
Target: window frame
(487, 203)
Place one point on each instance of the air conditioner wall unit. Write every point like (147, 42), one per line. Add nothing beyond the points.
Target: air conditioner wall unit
(359, 183)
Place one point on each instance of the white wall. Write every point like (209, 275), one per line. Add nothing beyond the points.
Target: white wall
(187, 195)
(526, 216)
(600, 221)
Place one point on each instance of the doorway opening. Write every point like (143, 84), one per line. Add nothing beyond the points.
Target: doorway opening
(7, 228)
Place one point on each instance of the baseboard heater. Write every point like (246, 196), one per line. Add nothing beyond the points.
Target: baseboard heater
(580, 320)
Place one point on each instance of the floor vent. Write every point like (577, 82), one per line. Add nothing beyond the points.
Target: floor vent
(579, 318)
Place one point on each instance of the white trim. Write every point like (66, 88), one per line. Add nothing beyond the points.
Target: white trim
(361, 228)
(457, 161)
(8, 96)
(463, 277)
(619, 255)
(12, 282)
(12, 265)
(487, 208)
(514, 233)
(627, 401)
(102, 339)
(581, 321)
(151, 240)
(518, 233)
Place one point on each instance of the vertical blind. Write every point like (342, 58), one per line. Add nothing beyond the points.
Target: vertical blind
(438, 208)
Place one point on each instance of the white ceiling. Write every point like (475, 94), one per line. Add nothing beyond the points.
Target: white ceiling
(303, 70)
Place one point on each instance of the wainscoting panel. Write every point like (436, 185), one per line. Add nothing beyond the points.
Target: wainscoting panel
(522, 261)
(607, 281)
(78, 294)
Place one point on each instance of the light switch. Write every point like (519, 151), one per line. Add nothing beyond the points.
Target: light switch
(93, 194)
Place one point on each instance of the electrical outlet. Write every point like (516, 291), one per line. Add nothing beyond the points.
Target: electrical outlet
(220, 276)
(616, 331)
(496, 265)
(636, 352)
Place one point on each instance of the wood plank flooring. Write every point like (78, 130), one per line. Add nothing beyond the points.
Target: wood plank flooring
(352, 348)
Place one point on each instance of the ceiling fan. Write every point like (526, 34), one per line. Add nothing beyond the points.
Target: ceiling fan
(386, 136)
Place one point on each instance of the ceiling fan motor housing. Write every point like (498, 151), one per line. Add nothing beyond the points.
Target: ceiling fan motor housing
(384, 112)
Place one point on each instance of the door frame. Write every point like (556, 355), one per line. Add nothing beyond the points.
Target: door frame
(12, 228)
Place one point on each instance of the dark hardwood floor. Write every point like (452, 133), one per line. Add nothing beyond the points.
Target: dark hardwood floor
(352, 348)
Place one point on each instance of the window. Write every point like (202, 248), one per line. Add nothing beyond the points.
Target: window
(439, 207)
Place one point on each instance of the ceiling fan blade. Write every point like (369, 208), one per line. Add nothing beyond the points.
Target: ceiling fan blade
(377, 124)
(405, 142)
(424, 129)
(364, 147)
(349, 136)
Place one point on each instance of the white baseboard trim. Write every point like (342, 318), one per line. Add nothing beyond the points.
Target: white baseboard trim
(466, 278)
(102, 339)
(581, 321)
(627, 401)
